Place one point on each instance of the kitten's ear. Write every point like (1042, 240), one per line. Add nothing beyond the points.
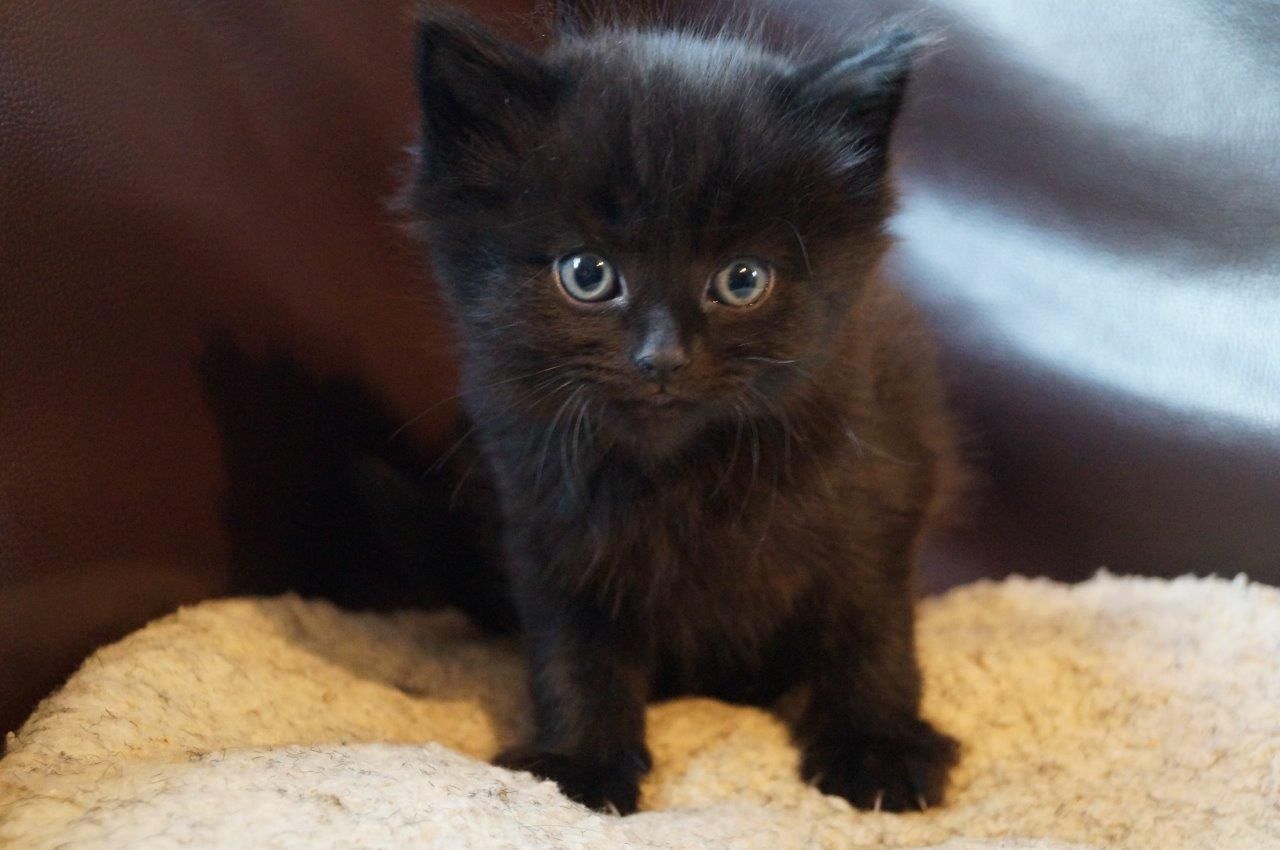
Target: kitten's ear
(862, 88)
(474, 85)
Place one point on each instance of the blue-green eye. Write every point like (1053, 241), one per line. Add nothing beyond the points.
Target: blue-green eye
(742, 283)
(587, 277)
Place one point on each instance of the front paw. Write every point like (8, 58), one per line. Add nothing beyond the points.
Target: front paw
(892, 773)
(612, 783)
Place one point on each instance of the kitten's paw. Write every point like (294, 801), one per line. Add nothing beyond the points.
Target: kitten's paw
(609, 784)
(884, 773)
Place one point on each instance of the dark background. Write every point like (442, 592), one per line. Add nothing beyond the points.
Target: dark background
(205, 304)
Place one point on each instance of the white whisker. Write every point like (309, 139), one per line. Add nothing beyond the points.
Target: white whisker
(418, 418)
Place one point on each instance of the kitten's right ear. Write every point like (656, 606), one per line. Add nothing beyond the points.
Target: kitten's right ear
(474, 85)
(862, 88)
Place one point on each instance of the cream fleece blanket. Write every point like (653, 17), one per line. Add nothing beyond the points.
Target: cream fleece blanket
(1121, 713)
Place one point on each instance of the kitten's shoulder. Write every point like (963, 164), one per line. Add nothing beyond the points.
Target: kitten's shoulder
(910, 389)
(901, 337)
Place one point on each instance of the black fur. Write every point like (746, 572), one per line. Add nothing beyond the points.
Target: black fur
(746, 526)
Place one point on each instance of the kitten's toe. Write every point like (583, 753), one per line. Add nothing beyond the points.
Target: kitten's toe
(609, 784)
(884, 773)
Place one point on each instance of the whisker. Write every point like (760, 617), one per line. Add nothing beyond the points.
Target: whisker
(578, 483)
(551, 431)
(733, 453)
(774, 361)
(444, 458)
(418, 418)
(768, 519)
(804, 252)
(863, 446)
(755, 467)
(462, 479)
(784, 422)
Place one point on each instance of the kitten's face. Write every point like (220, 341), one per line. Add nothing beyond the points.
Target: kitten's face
(653, 232)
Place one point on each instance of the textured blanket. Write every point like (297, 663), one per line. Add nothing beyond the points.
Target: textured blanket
(1120, 713)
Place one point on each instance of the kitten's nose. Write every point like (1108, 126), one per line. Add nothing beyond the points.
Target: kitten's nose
(659, 364)
(661, 353)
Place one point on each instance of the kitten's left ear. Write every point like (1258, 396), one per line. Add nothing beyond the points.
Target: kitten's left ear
(862, 88)
(474, 85)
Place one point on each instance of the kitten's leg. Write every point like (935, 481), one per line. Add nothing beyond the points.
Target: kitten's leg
(861, 732)
(589, 712)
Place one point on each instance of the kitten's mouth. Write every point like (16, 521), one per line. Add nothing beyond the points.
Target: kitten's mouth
(659, 405)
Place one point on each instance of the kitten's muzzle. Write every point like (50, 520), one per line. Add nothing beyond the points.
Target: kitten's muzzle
(661, 364)
(661, 353)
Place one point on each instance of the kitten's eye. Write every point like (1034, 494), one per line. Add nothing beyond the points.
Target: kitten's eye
(741, 283)
(587, 277)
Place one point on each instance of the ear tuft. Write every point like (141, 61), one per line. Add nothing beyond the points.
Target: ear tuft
(863, 88)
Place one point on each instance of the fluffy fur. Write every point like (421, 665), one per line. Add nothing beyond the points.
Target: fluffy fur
(744, 527)
(1118, 713)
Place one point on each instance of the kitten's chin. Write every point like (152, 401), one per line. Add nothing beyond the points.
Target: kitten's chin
(658, 427)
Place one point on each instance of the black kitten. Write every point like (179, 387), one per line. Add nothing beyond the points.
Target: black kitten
(715, 435)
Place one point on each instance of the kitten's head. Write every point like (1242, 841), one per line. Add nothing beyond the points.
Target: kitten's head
(656, 229)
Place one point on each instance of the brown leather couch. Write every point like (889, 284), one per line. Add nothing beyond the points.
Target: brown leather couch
(204, 301)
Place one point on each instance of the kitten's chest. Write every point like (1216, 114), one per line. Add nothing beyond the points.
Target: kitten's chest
(704, 577)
